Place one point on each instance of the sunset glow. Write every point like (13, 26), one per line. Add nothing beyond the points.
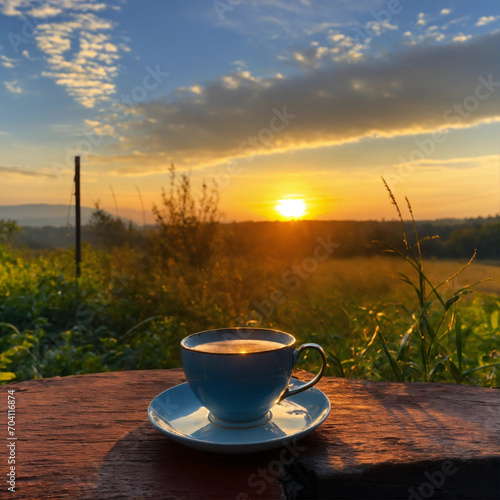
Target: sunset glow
(291, 208)
(316, 100)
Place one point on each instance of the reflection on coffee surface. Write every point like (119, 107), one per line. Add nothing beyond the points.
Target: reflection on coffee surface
(237, 346)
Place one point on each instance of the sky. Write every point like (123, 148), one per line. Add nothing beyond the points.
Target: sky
(268, 100)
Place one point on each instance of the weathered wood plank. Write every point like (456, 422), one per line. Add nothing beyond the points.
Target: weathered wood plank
(384, 440)
(89, 437)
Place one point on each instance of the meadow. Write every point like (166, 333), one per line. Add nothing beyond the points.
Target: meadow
(117, 318)
(396, 316)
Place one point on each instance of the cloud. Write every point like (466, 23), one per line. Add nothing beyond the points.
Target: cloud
(10, 7)
(87, 74)
(421, 21)
(8, 62)
(16, 170)
(3, 133)
(458, 163)
(238, 115)
(79, 51)
(45, 11)
(340, 48)
(461, 37)
(445, 12)
(483, 21)
(98, 128)
(277, 19)
(13, 87)
(50, 8)
(462, 21)
(435, 34)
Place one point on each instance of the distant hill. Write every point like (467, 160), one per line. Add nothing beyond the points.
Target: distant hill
(57, 215)
(42, 214)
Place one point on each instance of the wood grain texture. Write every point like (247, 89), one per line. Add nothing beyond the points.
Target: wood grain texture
(384, 440)
(88, 436)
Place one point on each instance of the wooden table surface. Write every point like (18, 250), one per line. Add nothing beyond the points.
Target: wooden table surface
(88, 436)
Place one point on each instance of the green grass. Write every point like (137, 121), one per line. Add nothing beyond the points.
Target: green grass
(119, 316)
(347, 301)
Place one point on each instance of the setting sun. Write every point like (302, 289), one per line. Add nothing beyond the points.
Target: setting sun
(291, 208)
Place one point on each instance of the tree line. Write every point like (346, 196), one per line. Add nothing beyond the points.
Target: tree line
(457, 239)
(188, 230)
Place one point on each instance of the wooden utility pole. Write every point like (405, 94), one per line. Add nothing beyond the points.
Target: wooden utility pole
(78, 244)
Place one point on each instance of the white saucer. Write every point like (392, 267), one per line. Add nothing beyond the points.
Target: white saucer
(178, 414)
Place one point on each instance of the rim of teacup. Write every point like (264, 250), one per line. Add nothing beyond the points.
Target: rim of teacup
(239, 328)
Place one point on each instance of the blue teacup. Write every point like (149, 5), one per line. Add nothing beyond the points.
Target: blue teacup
(239, 374)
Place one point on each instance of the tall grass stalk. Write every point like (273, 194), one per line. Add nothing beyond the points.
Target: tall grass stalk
(434, 324)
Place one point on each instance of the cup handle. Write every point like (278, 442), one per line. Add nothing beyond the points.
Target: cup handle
(315, 380)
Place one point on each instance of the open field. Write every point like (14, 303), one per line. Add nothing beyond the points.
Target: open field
(129, 313)
(380, 276)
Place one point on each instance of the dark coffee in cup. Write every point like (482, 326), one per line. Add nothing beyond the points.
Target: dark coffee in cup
(238, 346)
